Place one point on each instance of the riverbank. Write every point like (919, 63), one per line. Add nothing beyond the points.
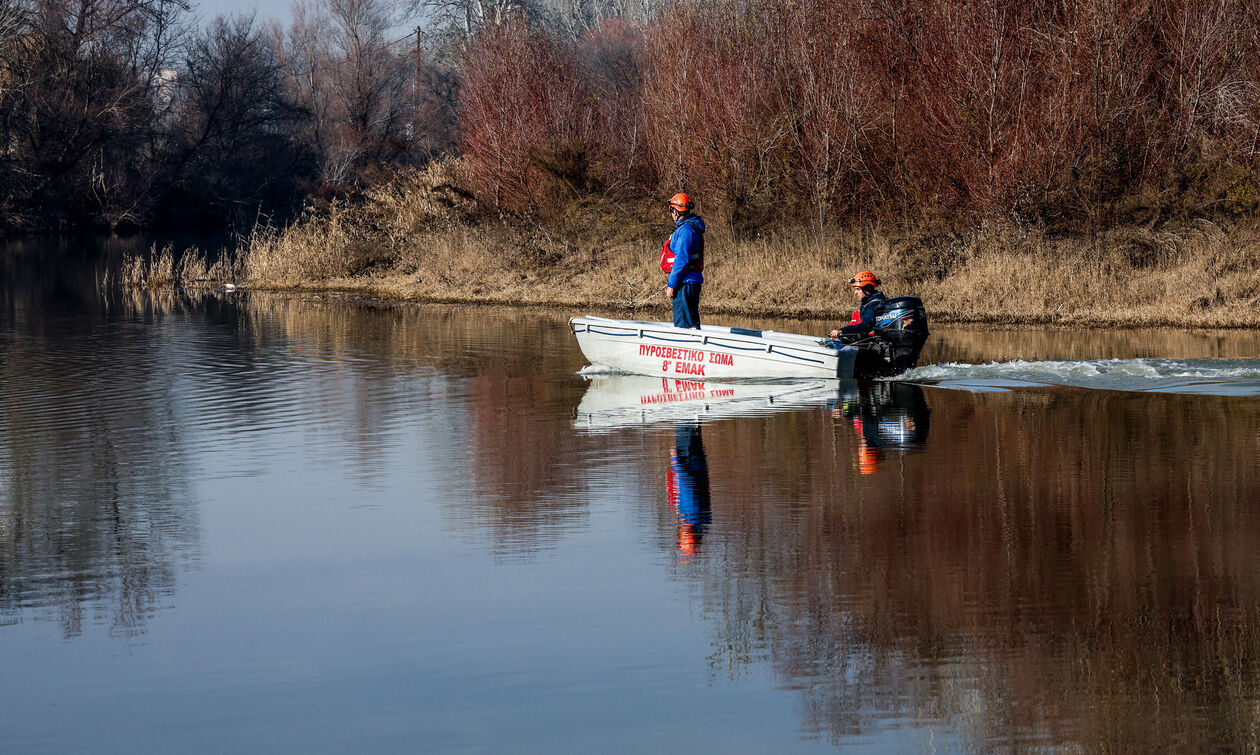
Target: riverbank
(419, 238)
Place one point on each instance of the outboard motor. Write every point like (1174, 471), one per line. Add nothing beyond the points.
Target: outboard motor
(901, 329)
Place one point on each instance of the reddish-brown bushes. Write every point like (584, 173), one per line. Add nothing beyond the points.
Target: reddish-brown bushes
(520, 104)
(844, 110)
(712, 105)
(544, 119)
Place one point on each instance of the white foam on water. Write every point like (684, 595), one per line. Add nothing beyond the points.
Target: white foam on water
(1207, 376)
(599, 369)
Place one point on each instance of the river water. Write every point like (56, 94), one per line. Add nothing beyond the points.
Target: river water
(257, 522)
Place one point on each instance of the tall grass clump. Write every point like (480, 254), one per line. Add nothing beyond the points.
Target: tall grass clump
(165, 268)
(358, 237)
(402, 243)
(156, 269)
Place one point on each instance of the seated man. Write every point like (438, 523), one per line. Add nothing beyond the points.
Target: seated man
(866, 288)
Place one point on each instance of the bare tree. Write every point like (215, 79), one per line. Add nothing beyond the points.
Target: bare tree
(577, 17)
(236, 122)
(356, 79)
(84, 122)
(463, 18)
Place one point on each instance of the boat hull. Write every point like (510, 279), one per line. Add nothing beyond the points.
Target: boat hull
(710, 352)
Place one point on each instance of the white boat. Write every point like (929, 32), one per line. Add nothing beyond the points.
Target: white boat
(710, 352)
(614, 400)
(723, 353)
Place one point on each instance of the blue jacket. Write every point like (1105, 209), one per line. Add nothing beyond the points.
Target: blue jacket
(686, 241)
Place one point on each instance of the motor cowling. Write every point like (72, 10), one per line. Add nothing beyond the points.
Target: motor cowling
(902, 325)
(904, 313)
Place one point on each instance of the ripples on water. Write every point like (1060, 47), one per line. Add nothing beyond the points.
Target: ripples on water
(300, 523)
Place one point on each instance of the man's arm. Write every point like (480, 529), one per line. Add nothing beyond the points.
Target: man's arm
(863, 326)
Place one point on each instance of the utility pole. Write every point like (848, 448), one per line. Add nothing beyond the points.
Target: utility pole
(415, 81)
(413, 128)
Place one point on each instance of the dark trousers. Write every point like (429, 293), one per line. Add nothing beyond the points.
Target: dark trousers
(687, 306)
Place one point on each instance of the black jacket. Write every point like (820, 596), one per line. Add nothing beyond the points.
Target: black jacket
(870, 308)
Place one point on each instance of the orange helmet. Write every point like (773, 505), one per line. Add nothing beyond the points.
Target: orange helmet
(681, 202)
(864, 278)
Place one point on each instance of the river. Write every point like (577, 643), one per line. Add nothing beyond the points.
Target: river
(255, 522)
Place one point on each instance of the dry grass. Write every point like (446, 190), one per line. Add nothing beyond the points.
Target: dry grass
(418, 237)
(164, 268)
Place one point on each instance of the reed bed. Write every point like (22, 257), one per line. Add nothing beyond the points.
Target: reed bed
(419, 237)
(165, 268)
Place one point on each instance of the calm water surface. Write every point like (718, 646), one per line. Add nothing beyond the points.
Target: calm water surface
(263, 523)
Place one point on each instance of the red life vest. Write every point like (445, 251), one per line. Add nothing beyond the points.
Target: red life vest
(856, 318)
(695, 263)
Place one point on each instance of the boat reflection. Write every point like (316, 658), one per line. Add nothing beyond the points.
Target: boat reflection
(614, 401)
(688, 486)
(885, 416)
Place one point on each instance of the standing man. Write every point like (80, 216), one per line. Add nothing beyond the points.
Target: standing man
(686, 247)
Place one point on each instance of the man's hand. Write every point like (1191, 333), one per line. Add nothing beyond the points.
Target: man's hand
(834, 334)
(669, 292)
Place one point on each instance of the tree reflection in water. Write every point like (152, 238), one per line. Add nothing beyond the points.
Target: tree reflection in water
(95, 510)
(1049, 568)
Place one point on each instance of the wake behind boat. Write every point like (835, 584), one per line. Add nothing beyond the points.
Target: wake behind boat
(724, 353)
